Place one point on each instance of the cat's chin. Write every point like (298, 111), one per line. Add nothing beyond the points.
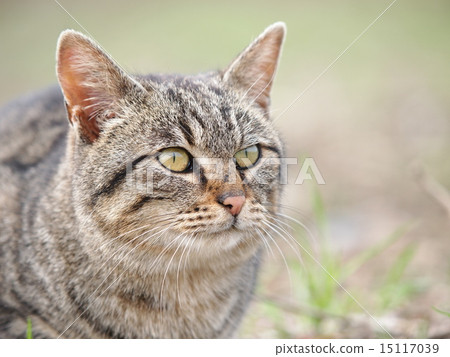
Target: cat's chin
(226, 239)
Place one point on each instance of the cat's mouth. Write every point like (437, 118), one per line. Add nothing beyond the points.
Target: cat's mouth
(232, 225)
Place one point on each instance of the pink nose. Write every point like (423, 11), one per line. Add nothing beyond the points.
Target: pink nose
(234, 204)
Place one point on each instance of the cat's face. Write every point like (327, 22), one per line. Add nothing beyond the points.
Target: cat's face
(190, 156)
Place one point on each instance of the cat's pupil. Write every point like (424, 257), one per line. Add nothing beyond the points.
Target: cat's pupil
(175, 159)
(247, 157)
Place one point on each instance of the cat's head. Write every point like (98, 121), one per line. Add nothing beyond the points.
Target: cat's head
(193, 156)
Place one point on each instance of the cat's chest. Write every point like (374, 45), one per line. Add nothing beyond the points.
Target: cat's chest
(177, 307)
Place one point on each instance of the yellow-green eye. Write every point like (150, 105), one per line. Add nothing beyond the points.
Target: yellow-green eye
(247, 157)
(175, 159)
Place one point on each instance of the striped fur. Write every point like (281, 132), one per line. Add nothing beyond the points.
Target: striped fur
(87, 248)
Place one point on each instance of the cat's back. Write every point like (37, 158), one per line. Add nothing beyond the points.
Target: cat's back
(30, 127)
(32, 140)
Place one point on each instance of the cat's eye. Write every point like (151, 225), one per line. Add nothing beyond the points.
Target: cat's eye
(175, 159)
(247, 157)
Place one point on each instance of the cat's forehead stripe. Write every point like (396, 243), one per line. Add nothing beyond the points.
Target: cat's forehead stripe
(202, 115)
(211, 118)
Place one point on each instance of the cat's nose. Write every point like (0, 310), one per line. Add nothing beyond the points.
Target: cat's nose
(233, 202)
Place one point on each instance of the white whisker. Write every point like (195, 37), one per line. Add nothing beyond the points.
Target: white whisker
(277, 229)
(282, 256)
(266, 244)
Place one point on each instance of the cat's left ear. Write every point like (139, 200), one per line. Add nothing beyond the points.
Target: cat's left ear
(254, 69)
(92, 83)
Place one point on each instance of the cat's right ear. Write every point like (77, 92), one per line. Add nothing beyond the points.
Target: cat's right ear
(92, 83)
(254, 69)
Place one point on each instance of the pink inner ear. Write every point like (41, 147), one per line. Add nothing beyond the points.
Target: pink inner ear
(73, 78)
(88, 127)
(79, 88)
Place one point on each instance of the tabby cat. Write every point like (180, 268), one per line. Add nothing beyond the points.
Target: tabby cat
(144, 217)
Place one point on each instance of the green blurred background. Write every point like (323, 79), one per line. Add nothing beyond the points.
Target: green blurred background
(377, 124)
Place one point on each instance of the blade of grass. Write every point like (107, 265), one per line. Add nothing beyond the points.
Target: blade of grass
(397, 270)
(445, 313)
(395, 289)
(372, 252)
(29, 329)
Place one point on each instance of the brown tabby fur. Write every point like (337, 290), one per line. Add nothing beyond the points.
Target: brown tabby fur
(85, 250)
